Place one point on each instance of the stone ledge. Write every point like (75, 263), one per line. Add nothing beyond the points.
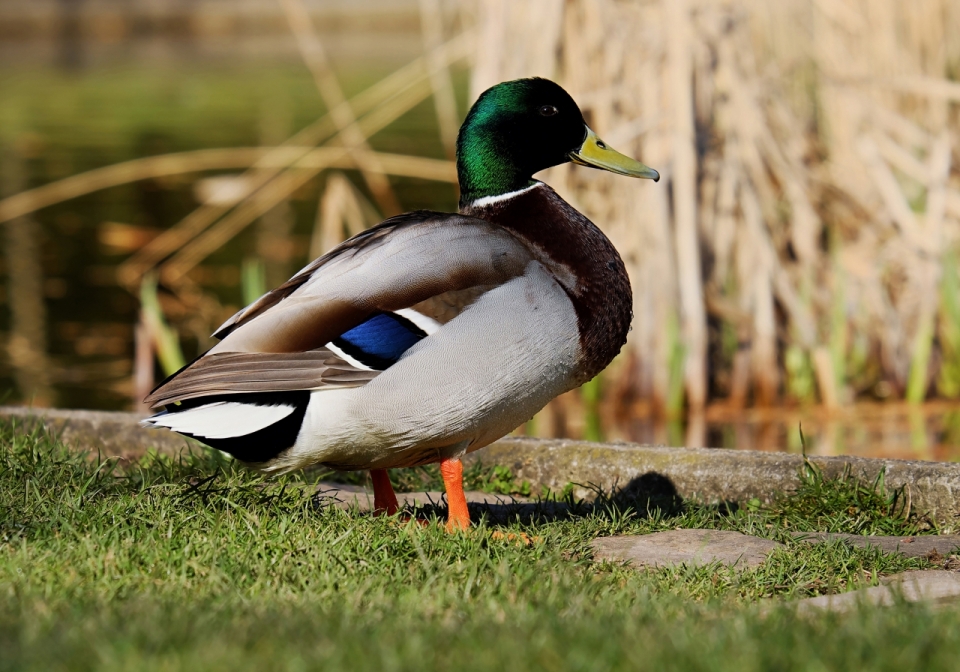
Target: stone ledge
(711, 474)
(114, 434)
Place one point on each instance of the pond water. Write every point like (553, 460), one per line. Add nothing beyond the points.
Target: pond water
(929, 431)
(892, 430)
(141, 98)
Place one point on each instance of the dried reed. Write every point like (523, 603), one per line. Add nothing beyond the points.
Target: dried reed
(809, 197)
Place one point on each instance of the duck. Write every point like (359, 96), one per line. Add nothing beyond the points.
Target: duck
(431, 334)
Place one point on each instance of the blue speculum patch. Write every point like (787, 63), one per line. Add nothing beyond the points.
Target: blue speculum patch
(381, 340)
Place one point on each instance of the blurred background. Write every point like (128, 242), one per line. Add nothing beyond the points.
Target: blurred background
(163, 162)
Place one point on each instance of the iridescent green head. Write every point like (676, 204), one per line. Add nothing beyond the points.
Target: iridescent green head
(518, 128)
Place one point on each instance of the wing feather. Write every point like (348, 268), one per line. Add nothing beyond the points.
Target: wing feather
(277, 342)
(399, 264)
(238, 372)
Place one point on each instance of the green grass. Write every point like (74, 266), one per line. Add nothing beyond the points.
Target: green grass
(199, 564)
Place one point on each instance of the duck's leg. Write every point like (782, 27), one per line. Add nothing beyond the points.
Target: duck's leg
(384, 498)
(458, 517)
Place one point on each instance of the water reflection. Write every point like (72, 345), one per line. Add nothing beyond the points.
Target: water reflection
(892, 430)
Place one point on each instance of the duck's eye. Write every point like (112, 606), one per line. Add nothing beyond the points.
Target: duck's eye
(548, 111)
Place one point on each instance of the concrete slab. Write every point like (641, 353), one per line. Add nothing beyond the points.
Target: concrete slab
(114, 434)
(689, 547)
(935, 586)
(921, 546)
(661, 473)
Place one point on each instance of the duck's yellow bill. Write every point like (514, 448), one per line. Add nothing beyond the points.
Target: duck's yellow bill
(595, 153)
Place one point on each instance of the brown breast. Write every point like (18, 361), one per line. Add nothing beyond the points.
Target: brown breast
(583, 261)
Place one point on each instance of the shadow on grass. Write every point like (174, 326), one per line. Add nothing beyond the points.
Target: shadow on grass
(843, 504)
(649, 495)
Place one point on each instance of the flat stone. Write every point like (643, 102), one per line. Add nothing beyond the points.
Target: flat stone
(935, 586)
(921, 546)
(497, 508)
(688, 547)
(349, 496)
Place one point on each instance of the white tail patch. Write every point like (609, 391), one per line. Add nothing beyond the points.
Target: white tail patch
(352, 361)
(221, 419)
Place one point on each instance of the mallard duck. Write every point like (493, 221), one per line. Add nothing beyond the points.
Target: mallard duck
(432, 334)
